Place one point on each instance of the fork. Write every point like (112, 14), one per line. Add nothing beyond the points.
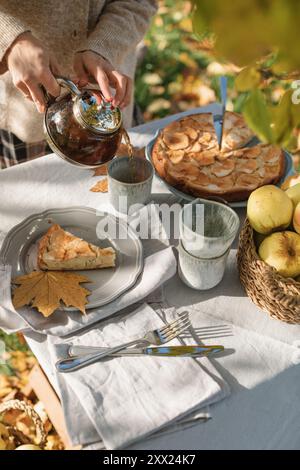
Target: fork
(156, 337)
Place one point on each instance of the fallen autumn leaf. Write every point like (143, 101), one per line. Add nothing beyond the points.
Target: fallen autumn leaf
(46, 290)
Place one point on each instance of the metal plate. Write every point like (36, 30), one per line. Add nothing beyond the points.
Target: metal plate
(289, 170)
(19, 249)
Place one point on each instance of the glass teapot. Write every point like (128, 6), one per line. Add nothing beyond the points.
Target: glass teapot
(79, 129)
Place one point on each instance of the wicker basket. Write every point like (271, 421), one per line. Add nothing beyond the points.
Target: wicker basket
(278, 296)
(16, 435)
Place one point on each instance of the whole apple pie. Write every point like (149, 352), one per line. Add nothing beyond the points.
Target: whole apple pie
(186, 155)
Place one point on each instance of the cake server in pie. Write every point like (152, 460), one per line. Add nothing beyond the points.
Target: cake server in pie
(223, 87)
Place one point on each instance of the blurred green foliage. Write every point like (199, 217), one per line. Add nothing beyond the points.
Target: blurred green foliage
(261, 37)
(169, 59)
(12, 343)
(182, 64)
(177, 72)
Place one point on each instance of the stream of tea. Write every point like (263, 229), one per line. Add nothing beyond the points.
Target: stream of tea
(128, 143)
(133, 176)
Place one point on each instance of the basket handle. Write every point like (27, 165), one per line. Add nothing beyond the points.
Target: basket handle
(31, 413)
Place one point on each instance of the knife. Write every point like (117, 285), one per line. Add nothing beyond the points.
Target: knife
(223, 87)
(161, 351)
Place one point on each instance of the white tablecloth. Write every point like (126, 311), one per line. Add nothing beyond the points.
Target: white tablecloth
(263, 411)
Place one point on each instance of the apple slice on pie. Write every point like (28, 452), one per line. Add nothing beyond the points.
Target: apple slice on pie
(236, 133)
(61, 251)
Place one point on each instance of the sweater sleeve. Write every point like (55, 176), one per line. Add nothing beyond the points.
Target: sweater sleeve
(121, 26)
(10, 28)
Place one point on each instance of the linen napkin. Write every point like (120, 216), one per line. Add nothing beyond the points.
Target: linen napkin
(126, 399)
(159, 266)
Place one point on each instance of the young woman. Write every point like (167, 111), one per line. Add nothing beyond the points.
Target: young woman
(94, 40)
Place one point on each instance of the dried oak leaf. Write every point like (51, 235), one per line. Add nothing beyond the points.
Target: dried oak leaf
(100, 187)
(46, 290)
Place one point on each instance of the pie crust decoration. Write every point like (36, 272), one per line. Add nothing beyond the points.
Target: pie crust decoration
(186, 155)
(59, 250)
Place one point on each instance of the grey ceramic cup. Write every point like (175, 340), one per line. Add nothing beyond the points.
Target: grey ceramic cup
(199, 273)
(129, 182)
(208, 228)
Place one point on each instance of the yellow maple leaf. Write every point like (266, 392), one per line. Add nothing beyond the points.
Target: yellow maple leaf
(100, 187)
(46, 290)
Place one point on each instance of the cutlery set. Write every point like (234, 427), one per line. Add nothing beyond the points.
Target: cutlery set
(82, 356)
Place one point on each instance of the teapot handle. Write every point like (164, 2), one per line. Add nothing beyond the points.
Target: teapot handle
(65, 83)
(69, 85)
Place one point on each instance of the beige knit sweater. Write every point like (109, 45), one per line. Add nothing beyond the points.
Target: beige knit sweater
(112, 28)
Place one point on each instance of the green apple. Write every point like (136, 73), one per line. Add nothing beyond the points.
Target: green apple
(282, 251)
(269, 210)
(296, 219)
(294, 194)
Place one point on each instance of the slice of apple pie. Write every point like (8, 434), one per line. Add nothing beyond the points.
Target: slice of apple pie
(61, 251)
(236, 133)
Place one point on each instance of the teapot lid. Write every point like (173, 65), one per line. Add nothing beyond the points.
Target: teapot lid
(101, 118)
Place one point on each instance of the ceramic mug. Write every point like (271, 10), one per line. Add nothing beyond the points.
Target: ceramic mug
(201, 273)
(129, 182)
(208, 228)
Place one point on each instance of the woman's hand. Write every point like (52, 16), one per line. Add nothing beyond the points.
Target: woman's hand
(31, 65)
(89, 64)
